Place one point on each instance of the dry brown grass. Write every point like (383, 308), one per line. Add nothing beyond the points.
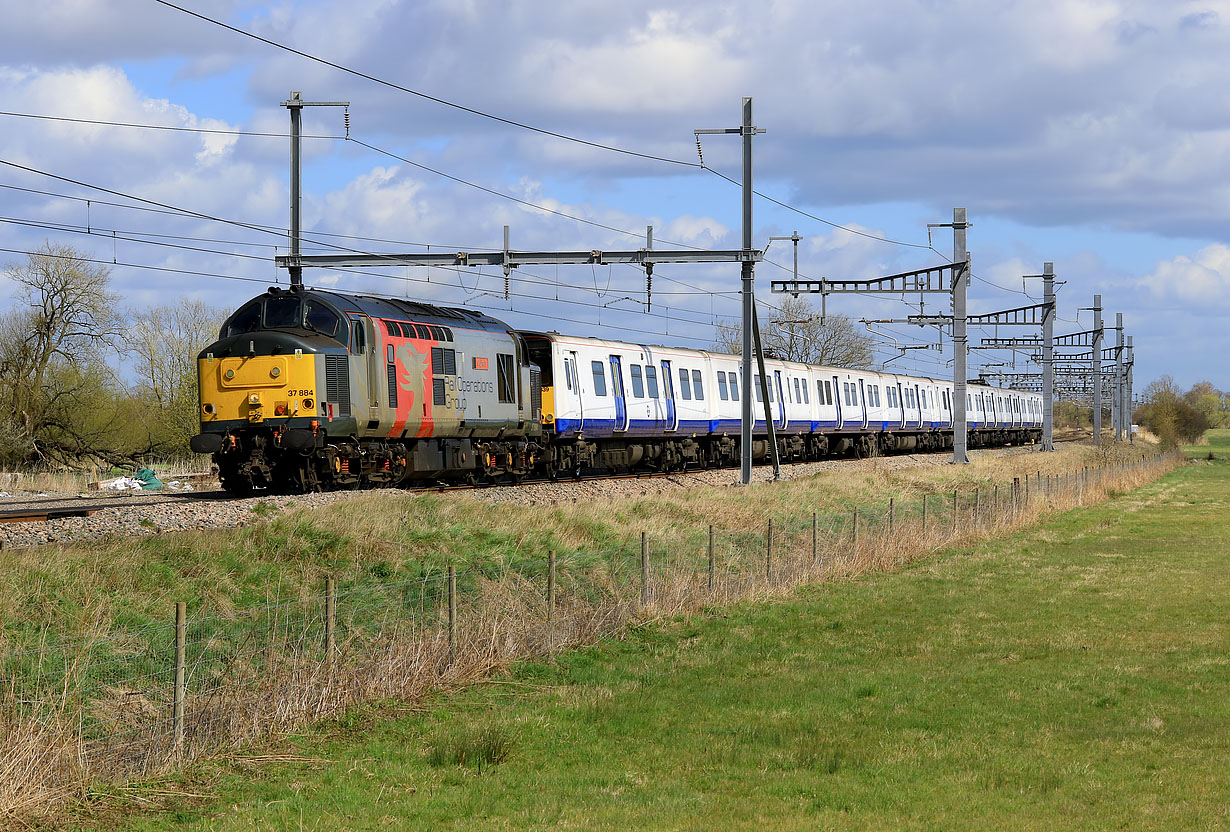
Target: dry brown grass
(279, 680)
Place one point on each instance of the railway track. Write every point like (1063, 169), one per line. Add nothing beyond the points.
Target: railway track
(33, 521)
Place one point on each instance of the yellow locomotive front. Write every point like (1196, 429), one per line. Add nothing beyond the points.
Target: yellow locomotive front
(264, 391)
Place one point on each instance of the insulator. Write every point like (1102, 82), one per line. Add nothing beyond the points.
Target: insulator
(700, 152)
(506, 287)
(346, 122)
(648, 291)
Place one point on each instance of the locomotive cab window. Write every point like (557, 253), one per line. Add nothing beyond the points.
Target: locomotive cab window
(246, 319)
(599, 377)
(321, 318)
(282, 312)
(506, 377)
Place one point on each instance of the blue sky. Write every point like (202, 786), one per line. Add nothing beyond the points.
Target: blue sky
(1093, 133)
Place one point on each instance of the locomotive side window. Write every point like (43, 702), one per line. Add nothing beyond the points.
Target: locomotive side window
(506, 377)
(722, 394)
(697, 389)
(638, 384)
(321, 318)
(282, 312)
(358, 340)
(246, 319)
(651, 380)
(685, 387)
(599, 378)
(734, 387)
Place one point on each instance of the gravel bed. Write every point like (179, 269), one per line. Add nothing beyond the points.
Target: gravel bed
(141, 514)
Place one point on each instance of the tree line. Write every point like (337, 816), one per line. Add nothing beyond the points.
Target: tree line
(84, 380)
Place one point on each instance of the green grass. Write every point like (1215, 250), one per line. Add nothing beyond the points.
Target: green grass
(1073, 676)
(1218, 445)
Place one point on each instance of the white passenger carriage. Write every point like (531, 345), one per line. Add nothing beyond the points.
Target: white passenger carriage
(625, 405)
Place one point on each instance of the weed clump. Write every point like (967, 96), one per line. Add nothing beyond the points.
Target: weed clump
(471, 749)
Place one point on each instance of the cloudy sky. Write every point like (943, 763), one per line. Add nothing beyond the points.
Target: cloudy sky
(1092, 133)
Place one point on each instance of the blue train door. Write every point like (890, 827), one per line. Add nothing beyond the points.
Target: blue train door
(780, 421)
(617, 389)
(862, 395)
(837, 399)
(668, 390)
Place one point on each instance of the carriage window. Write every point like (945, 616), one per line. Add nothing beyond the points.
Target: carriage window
(506, 377)
(568, 373)
(759, 389)
(685, 389)
(599, 378)
(798, 397)
(282, 312)
(734, 387)
(638, 384)
(722, 386)
(651, 380)
(246, 319)
(697, 389)
(806, 398)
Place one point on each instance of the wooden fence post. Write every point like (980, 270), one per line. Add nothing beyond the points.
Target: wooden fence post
(954, 509)
(711, 562)
(815, 542)
(181, 656)
(924, 514)
(644, 571)
(330, 619)
(854, 532)
(892, 515)
(550, 600)
(452, 613)
(768, 554)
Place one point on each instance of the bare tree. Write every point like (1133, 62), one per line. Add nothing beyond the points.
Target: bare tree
(796, 332)
(165, 342)
(53, 347)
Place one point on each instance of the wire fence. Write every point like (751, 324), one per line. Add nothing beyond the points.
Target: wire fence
(144, 700)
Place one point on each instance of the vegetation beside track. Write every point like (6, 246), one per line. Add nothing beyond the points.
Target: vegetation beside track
(381, 538)
(1071, 676)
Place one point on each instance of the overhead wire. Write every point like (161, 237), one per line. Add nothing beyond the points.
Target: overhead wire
(246, 279)
(427, 96)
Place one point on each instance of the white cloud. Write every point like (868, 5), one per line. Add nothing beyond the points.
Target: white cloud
(1200, 282)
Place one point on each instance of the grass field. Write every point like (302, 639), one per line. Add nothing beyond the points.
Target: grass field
(1072, 676)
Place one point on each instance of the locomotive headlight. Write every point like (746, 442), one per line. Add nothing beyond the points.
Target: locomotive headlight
(255, 399)
(308, 404)
(208, 409)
